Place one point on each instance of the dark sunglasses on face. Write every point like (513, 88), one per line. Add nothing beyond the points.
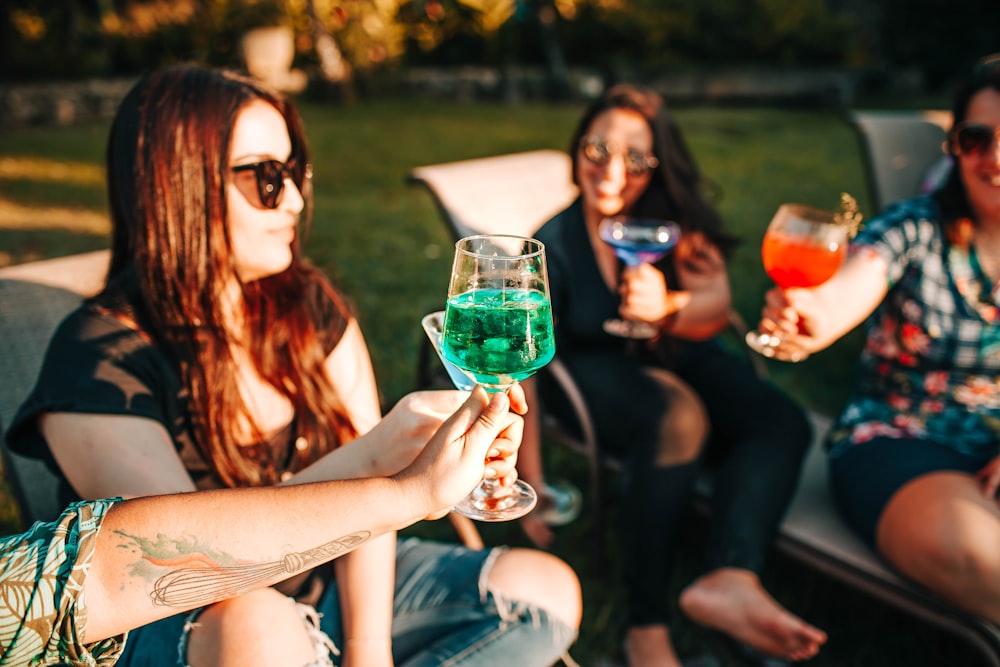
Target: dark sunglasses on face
(973, 138)
(600, 153)
(987, 63)
(269, 180)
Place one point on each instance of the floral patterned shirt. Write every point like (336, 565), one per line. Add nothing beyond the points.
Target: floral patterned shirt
(930, 368)
(42, 610)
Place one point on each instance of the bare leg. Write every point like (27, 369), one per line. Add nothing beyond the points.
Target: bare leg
(540, 579)
(733, 601)
(650, 646)
(537, 531)
(259, 628)
(529, 454)
(530, 467)
(943, 532)
(683, 430)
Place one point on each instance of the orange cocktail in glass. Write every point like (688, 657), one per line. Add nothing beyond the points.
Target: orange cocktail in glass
(802, 247)
(802, 261)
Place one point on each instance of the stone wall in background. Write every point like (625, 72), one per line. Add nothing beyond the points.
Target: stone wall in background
(816, 88)
(61, 103)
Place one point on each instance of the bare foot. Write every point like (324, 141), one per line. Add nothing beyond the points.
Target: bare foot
(537, 531)
(649, 646)
(734, 601)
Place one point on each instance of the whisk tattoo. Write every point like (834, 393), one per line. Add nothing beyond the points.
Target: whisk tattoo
(192, 587)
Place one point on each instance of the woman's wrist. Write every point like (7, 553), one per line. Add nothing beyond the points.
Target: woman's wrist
(666, 323)
(367, 651)
(676, 301)
(412, 496)
(370, 640)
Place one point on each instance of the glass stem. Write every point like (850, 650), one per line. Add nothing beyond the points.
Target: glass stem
(492, 488)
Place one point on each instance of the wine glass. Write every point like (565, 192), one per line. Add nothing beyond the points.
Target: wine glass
(433, 325)
(637, 241)
(497, 330)
(803, 247)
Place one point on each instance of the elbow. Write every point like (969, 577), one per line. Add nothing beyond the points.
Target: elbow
(712, 327)
(708, 331)
(714, 331)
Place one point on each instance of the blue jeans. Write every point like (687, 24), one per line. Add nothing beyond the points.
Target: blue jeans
(443, 614)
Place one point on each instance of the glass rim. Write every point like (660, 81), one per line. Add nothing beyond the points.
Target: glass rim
(640, 220)
(809, 213)
(540, 250)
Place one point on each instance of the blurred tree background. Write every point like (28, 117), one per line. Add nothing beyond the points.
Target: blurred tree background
(43, 40)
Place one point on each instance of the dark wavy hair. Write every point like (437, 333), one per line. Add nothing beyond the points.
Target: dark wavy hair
(171, 259)
(677, 190)
(951, 197)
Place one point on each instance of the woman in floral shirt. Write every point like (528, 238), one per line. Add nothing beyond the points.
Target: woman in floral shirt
(915, 455)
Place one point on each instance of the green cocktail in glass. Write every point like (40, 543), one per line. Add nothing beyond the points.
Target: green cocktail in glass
(499, 337)
(498, 330)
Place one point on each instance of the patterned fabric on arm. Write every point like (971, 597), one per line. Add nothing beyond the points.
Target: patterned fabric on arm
(931, 360)
(42, 571)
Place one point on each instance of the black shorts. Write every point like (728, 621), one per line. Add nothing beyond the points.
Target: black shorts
(865, 476)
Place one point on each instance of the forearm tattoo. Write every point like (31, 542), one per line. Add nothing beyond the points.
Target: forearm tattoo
(199, 576)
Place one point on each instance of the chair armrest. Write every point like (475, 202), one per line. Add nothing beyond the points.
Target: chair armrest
(567, 385)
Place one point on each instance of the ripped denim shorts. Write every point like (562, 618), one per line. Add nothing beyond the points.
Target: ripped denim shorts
(443, 614)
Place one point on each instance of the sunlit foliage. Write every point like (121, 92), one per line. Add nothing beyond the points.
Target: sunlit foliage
(42, 39)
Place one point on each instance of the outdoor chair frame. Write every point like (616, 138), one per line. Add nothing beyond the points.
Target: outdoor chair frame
(515, 194)
(900, 149)
(34, 298)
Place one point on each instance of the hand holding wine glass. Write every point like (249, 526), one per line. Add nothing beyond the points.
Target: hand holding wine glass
(451, 461)
(637, 241)
(803, 247)
(497, 330)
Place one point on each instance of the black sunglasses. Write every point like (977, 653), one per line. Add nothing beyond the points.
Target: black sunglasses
(600, 152)
(973, 138)
(987, 63)
(269, 180)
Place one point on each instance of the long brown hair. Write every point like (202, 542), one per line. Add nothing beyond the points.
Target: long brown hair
(171, 259)
(677, 190)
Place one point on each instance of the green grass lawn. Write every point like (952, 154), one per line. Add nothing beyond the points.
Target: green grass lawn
(384, 242)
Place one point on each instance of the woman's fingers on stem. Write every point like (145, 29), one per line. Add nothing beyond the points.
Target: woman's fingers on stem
(788, 349)
(518, 402)
(501, 459)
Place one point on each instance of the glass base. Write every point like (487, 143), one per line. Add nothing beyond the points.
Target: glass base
(630, 329)
(483, 504)
(766, 345)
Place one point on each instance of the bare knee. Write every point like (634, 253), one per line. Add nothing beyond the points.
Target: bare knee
(965, 572)
(262, 627)
(540, 579)
(975, 558)
(942, 532)
(957, 551)
(684, 427)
